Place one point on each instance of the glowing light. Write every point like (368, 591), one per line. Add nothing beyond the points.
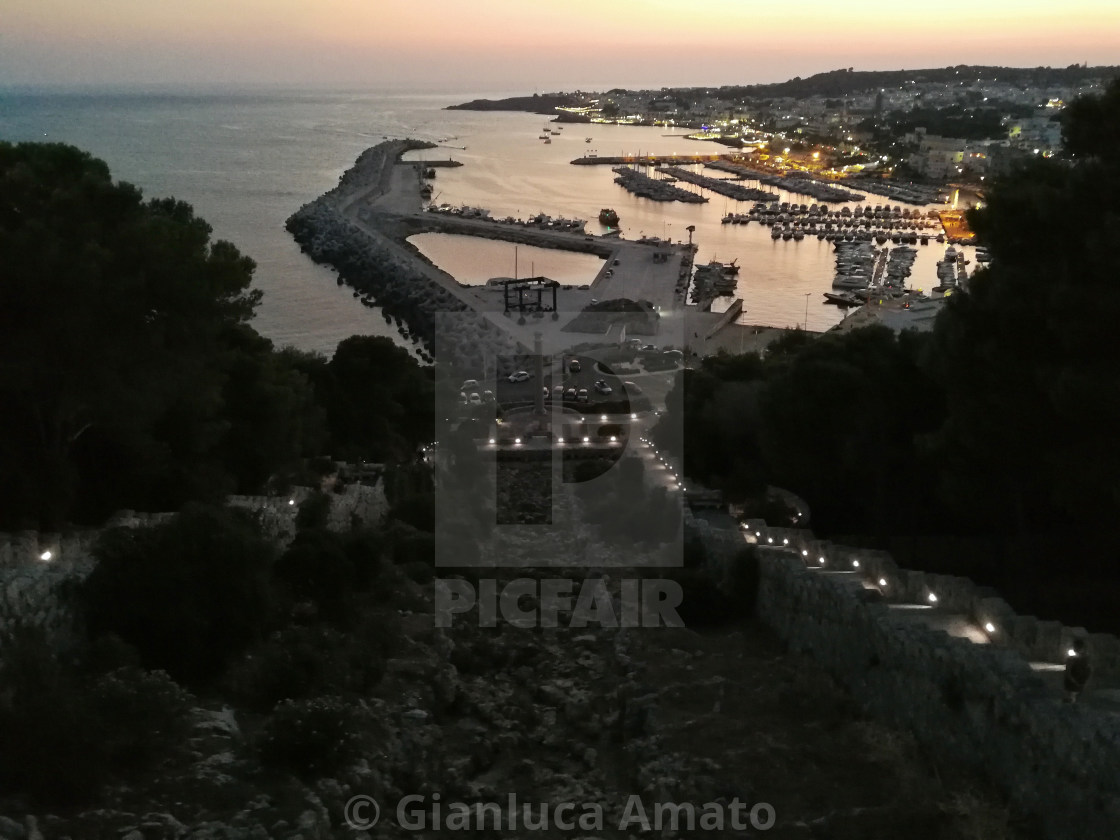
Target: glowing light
(932, 598)
(882, 581)
(785, 541)
(517, 441)
(614, 439)
(46, 555)
(586, 439)
(603, 418)
(770, 540)
(291, 501)
(1071, 652)
(758, 533)
(804, 552)
(855, 564)
(492, 441)
(633, 416)
(991, 628)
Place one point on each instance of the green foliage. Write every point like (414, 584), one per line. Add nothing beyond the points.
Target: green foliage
(124, 341)
(301, 662)
(313, 512)
(379, 401)
(64, 734)
(187, 595)
(317, 568)
(365, 549)
(314, 738)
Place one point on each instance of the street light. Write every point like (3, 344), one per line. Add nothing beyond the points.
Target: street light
(807, 310)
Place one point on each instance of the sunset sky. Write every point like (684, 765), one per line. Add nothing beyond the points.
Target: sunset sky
(522, 45)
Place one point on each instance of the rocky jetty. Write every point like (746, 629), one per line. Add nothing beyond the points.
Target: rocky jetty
(388, 272)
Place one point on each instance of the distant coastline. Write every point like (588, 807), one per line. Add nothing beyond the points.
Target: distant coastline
(536, 104)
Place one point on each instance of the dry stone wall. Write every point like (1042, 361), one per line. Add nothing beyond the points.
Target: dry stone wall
(37, 570)
(977, 701)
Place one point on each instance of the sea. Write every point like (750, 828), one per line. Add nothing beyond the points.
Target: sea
(245, 160)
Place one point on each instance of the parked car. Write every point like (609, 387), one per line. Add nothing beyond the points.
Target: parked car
(602, 387)
(520, 376)
(570, 395)
(631, 388)
(488, 396)
(558, 392)
(581, 395)
(547, 394)
(469, 385)
(574, 366)
(474, 399)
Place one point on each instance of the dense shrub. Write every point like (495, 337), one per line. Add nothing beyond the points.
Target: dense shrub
(65, 735)
(365, 549)
(313, 738)
(188, 594)
(316, 568)
(313, 511)
(302, 662)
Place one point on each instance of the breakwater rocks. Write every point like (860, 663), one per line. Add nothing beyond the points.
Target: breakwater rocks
(721, 186)
(384, 270)
(645, 187)
(327, 236)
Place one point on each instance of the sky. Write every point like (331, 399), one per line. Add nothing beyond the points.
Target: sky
(529, 46)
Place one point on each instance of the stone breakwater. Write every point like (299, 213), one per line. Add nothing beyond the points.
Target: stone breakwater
(982, 705)
(357, 228)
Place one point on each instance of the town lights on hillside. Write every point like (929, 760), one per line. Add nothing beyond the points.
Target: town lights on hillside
(816, 155)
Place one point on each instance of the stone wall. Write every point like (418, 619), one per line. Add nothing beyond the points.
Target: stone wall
(978, 700)
(37, 570)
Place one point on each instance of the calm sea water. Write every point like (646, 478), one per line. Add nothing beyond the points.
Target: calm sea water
(246, 161)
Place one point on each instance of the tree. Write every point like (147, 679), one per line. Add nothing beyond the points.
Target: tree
(112, 312)
(188, 595)
(380, 403)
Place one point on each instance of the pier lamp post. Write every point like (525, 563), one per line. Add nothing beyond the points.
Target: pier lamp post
(807, 310)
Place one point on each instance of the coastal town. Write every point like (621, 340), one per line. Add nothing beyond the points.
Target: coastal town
(957, 125)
